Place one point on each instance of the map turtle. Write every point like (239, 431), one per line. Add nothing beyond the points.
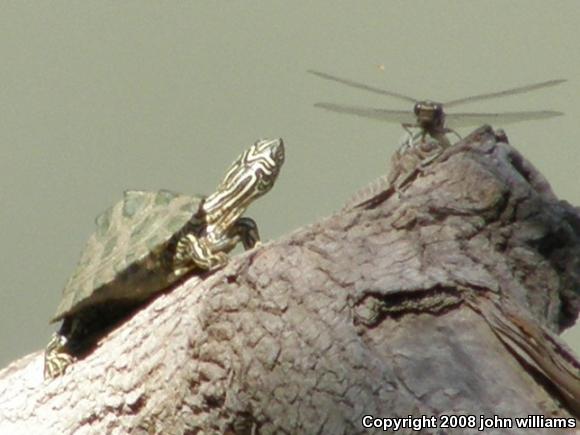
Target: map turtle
(149, 240)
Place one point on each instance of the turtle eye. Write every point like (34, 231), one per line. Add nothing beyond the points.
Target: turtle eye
(279, 156)
(264, 184)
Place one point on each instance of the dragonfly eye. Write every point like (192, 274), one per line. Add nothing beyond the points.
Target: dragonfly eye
(417, 108)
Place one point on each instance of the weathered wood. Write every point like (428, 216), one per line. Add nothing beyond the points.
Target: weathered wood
(443, 299)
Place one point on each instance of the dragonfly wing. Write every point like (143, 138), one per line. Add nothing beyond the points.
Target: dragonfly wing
(513, 91)
(454, 120)
(397, 116)
(357, 85)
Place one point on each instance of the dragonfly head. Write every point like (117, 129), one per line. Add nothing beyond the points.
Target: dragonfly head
(429, 114)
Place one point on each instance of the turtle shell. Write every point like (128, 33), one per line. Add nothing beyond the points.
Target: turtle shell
(123, 260)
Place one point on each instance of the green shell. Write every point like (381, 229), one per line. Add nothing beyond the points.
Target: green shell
(123, 258)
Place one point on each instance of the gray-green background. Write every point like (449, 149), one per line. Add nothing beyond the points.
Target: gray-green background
(99, 97)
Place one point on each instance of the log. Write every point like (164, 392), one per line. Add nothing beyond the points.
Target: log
(416, 305)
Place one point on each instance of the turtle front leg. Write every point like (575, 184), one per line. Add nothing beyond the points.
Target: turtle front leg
(192, 251)
(56, 357)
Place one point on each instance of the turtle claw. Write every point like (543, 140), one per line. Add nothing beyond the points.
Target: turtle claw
(246, 229)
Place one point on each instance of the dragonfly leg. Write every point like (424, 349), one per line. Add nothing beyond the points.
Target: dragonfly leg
(407, 127)
(430, 159)
(450, 130)
(402, 184)
(441, 138)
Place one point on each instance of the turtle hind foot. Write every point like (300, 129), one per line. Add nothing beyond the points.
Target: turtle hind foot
(56, 357)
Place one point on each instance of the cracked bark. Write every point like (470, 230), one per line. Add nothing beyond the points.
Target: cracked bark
(445, 300)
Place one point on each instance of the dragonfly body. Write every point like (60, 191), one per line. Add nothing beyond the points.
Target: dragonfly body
(430, 120)
(430, 117)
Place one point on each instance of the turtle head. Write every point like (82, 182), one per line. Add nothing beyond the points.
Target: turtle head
(251, 175)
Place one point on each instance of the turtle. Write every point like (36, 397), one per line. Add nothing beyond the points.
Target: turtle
(151, 239)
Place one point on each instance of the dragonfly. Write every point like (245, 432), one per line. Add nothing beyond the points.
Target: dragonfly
(430, 116)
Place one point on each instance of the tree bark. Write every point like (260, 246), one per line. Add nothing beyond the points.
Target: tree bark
(443, 299)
